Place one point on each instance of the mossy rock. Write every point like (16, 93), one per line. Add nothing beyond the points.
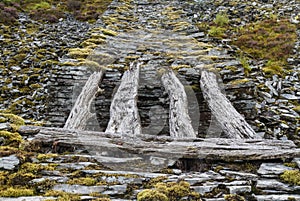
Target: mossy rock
(151, 195)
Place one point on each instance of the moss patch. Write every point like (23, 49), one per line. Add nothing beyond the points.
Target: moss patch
(16, 192)
(291, 177)
(168, 191)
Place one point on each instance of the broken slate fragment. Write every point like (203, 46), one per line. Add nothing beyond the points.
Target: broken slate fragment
(272, 170)
(9, 162)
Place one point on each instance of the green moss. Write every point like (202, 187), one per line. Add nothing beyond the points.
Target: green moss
(168, 191)
(11, 138)
(291, 177)
(151, 195)
(88, 181)
(221, 19)
(274, 67)
(16, 192)
(14, 119)
(291, 164)
(20, 178)
(238, 82)
(7, 150)
(109, 32)
(92, 65)
(40, 5)
(43, 157)
(245, 64)
(34, 168)
(35, 86)
(62, 196)
(217, 32)
(79, 53)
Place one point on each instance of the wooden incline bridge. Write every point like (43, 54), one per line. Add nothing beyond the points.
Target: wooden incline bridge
(123, 141)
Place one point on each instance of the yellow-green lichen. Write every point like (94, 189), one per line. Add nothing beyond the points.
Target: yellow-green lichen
(88, 181)
(151, 195)
(291, 177)
(16, 192)
(62, 196)
(11, 138)
(168, 191)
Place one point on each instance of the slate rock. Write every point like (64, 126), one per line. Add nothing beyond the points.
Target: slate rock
(239, 189)
(277, 197)
(9, 162)
(272, 184)
(79, 189)
(272, 169)
(5, 126)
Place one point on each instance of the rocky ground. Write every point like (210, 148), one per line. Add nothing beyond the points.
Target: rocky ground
(41, 63)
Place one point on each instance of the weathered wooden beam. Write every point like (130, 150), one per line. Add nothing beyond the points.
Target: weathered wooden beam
(81, 113)
(179, 119)
(163, 146)
(124, 116)
(232, 122)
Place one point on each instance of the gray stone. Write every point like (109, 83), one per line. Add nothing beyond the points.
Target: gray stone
(238, 183)
(272, 169)
(297, 160)
(204, 189)
(272, 184)
(239, 189)
(79, 189)
(9, 162)
(200, 178)
(239, 175)
(215, 199)
(277, 197)
(75, 166)
(290, 96)
(28, 130)
(5, 126)
(116, 190)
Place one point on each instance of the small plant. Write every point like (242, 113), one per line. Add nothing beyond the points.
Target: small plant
(218, 32)
(221, 19)
(291, 177)
(245, 64)
(274, 67)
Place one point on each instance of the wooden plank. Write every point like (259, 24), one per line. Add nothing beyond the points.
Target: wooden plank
(80, 113)
(179, 119)
(124, 116)
(232, 122)
(186, 148)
